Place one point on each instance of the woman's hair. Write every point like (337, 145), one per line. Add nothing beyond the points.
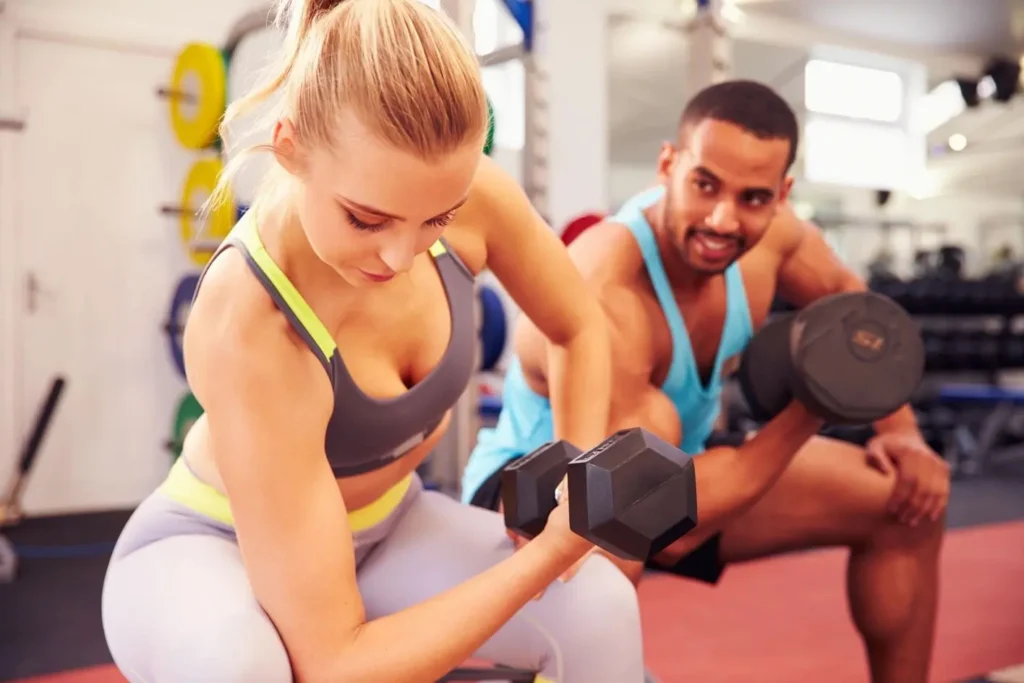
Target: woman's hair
(401, 67)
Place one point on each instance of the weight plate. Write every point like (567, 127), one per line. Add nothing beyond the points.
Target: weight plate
(181, 304)
(489, 142)
(763, 373)
(186, 414)
(494, 328)
(199, 72)
(856, 357)
(579, 225)
(201, 235)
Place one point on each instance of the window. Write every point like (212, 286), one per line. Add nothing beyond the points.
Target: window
(861, 154)
(856, 92)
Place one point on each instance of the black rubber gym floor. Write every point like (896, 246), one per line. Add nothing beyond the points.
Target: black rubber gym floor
(51, 613)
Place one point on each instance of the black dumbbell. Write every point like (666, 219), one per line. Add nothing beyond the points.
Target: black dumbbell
(528, 486)
(633, 494)
(849, 358)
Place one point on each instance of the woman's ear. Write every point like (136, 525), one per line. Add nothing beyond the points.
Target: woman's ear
(286, 148)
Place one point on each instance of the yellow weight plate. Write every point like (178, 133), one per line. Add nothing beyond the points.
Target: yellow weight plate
(199, 73)
(201, 235)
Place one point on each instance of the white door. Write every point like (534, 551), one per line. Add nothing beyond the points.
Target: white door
(98, 264)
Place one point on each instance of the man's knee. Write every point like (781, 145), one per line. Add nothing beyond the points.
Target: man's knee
(925, 536)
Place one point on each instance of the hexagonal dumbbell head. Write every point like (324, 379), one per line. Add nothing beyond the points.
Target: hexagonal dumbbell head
(528, 486)
(633, 494)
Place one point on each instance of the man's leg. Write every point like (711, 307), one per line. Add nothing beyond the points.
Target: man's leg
(829, 496)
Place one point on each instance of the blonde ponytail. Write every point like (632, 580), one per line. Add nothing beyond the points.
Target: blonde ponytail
(402, 67)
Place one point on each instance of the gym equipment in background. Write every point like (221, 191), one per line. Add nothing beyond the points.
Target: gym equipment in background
(579, 225)
(185, 416)
(498, 673)
(10, 505)
(197, 95)
(197, 99)
(984, 427)
(493, 328)
(8, 561)
(177, 314)
(489, 140)
(201, 235)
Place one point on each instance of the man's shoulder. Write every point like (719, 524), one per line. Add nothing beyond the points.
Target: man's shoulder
(785, 232)
(607, 254)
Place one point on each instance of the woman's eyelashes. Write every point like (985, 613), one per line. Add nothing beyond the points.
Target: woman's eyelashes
(436, 222)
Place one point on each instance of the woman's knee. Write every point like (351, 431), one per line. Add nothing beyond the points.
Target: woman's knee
(602, 592)
(229, 648)
(595, 622)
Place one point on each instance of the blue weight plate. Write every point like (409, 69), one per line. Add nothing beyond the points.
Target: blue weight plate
(494, 329)
(181, 303)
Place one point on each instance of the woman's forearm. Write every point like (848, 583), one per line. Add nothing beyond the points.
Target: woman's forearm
(425, 641)
(580, 385)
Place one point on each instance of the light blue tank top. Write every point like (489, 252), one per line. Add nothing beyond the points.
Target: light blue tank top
(697, 405)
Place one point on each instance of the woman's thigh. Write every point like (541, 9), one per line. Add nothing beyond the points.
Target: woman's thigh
(585, 630)
(180, 608)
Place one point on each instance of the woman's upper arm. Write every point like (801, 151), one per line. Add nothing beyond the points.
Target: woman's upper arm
(267, 403)
(636, 402)
(528, 257)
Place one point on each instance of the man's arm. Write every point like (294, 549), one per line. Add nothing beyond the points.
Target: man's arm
(808, 270)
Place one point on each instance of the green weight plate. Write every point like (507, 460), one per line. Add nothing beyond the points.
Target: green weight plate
(489, 142)
(185, 416)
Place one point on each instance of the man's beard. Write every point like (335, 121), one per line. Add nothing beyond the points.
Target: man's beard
(706, 251)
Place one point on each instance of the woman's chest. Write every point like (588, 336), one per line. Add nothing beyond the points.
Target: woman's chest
(400, 335)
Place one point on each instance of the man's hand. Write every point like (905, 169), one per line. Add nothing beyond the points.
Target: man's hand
(922, 484)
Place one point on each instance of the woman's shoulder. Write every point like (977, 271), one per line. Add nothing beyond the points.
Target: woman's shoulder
(233, 325)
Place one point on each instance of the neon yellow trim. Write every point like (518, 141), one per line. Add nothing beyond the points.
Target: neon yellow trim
(184, 487)
(437, 248)
(376, 512)
(541, 679)
(250, 237)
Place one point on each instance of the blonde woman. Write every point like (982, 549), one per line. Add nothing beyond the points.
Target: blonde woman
(330, 337)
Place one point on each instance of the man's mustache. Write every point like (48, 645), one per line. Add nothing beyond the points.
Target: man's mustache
(693, 231)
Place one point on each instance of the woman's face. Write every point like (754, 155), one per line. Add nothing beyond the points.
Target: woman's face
(367, 208)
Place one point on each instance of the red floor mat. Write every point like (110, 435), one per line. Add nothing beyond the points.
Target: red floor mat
(785, 619)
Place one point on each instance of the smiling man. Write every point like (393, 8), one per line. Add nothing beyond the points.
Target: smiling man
(686, 271)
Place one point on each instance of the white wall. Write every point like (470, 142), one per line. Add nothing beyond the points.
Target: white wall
(88, 473)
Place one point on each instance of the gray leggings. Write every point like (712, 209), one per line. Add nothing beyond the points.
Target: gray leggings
(177, 605)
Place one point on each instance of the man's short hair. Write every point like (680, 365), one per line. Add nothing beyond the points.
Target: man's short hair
(752, 106)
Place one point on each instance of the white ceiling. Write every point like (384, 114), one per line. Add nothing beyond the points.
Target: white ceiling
(952, 37)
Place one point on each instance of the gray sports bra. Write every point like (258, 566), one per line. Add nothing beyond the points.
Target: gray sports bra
(366, 433)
